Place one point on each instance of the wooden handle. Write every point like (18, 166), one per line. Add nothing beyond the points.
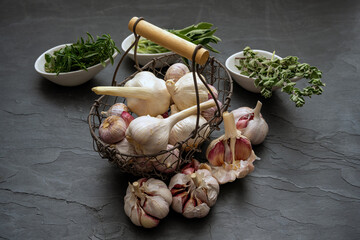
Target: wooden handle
(168, 40)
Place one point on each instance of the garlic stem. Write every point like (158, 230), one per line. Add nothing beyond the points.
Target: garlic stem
(143, 93)
(257, 109)
(174, 118)
(230, 131)
(196, 179)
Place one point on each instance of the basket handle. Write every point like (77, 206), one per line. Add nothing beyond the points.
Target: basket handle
(168, 40)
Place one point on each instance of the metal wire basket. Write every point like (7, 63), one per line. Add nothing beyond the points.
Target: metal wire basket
(169, 161)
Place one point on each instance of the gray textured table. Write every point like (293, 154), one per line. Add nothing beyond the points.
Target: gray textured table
(306, 185)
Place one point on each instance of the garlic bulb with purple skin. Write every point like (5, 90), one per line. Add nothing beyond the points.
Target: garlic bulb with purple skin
(194, 194)
(147, 201)
(112, 129)
(231, 155)
(251, 123)
(121, 110)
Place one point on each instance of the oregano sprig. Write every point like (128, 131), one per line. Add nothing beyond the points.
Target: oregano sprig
(269, 73)
(81, 55)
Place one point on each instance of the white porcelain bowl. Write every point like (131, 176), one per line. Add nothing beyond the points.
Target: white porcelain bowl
(143, 58)
(68, 79)
(245, 81)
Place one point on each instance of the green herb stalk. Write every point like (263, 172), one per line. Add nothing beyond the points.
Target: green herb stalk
(81, 55)
(269, 73)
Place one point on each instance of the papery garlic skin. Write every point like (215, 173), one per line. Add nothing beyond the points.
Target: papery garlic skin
(168, 162)
(252, 124)
(209, 113)
(194, 194)
(145, 94)
(150, 135)
(182, 130)
(147, 201)
(176, 71)
(152, 106)
(183, 91)
(112, 129)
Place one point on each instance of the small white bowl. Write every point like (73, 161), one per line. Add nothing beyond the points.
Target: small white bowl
(144, 58)
(68, 79)
(245, 81)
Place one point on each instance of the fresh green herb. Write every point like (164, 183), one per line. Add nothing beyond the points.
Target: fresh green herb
(269, 73)
(200, 33)
(81, 55)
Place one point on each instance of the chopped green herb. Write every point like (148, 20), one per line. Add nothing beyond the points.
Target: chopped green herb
(269, 73)
(81, 55)
(200, 33)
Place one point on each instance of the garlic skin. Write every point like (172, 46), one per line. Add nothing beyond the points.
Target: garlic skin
(168, 162)
(112, 129)
(147, 201)
(231, 155)
(182, 130)
(209, 113)
(145, 94)
(124, 147)
(116, 109)
(251, 123)
(194, 194)
(150, 135)
(176, 71)
(183, 91)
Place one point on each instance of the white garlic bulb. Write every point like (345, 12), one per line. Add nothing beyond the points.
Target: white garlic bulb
(183, 91)
(194, 194)
(176, 71)
(182, 130)
(251, 123)
(145, 94)
(147, 201)
(168, 162)
(150, 135)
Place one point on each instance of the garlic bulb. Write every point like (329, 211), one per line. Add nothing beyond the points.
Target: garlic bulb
(183, 91)
(147, 201)
(150, 135)
(145, 94)
(251, 123)
(184, 128)
(168, 162)
(176, 71)
(112, 129)
(231, 155)
(214, 91)
(209, 113)
(194, 194)
(116, 109)
(124, 147)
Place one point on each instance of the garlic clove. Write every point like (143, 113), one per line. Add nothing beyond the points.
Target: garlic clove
(251, 123)
(194, 210)
(156, 206)
(243, 149)
(148, 221)
(216, 154)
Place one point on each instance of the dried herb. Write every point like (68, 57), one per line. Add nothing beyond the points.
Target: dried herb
(269, 73)
(200, 33)
(81, 55)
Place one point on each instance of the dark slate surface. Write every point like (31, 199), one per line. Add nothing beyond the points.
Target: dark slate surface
(306, 185)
